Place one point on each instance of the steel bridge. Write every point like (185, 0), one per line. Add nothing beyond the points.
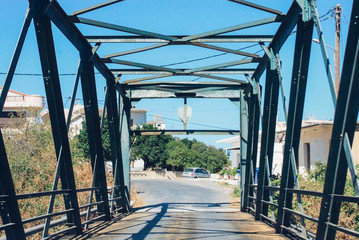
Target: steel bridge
(255, 113)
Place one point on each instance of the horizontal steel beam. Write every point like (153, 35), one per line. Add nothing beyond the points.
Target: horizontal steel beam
(256, 6)
(184, 132)
(136, 50)
(119, 28)
(219, 78)
(147, 78)
(147, 93)
(234, 28)
(73, 34)
(223, 65)
(283, 32)
(212, 39)
(176, 84)
(197, 75)
(226, 50)
(95, 7)
(140, 65)
(218, 71)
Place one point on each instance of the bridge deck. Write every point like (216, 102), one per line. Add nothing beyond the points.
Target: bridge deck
(167, 221)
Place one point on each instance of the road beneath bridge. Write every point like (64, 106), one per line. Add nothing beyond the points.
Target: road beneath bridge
(183, 209)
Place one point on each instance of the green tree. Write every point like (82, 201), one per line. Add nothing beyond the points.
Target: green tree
(82, 143)
(192, 153)
(188, 142)
(151, 149)
(179, 155)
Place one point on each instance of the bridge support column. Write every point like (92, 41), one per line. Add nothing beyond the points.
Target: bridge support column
(88, 85)
(244, 143)
(295, 115)
(56, 109)
(116, 153)
(10, 213)
(252, 146)
(125, 123)
(345, 118)
(268, 138)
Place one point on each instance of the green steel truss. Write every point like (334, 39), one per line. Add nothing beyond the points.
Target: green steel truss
(243, 90)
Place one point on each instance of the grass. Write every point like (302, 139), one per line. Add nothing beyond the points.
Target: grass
(136, 197)
(236, 198)
(236, 192)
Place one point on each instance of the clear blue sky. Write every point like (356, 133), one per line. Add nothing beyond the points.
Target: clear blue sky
(177, 17)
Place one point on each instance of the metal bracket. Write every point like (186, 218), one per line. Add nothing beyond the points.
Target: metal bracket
(2, 206)
(307, 13)
(273, 60)
(270, 53)
(265, 49)
(253, 83)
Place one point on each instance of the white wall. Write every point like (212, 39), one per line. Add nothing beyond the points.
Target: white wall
(235, 158)
(318, 138)
(278, 158)
(139, 118)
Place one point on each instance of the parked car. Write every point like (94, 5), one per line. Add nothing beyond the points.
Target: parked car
(194, 172)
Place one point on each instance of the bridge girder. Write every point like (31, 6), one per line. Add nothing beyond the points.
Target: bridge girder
(246, 94)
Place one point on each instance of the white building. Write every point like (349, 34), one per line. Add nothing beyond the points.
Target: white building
(20, 105)
(235, 151)
(138, 117)
(313, 147)
(157, 122)
(77, 117)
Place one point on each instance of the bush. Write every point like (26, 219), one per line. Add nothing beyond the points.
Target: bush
(32, 160)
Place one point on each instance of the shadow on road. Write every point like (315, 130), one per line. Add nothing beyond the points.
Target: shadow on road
(183, 221)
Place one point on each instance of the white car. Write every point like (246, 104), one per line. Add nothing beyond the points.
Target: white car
(193, 172)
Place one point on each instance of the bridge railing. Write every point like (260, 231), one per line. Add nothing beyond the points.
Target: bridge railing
(284, 208)
(88, 212)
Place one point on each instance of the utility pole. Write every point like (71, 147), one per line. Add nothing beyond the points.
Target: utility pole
(338, 10)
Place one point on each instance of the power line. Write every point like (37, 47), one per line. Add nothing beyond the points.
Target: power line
(225, 67)
(208, 57)
(330, 11)
(199, 124)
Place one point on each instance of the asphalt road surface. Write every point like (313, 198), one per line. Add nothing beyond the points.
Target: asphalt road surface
(184, 209)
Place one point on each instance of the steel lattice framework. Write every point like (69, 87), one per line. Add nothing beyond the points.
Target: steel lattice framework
(121, 95)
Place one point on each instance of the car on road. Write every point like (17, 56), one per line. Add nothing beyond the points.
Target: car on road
(194, 172)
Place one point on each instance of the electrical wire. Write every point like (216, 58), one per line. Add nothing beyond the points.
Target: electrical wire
(330, 11)
(40, 74)
(199, 124)
(208, 57)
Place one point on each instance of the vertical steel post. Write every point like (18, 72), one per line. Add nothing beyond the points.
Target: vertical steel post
(295, 115)
(253, 128)
(56, 109)
(57, 173)
(345, 119)
(268, 137)
(116, 153)
(250, 123)
(125, 118)
(94, 132)
(73, 96)
(256, 118)
(244, 142)
(15, 58)
(10, 212)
